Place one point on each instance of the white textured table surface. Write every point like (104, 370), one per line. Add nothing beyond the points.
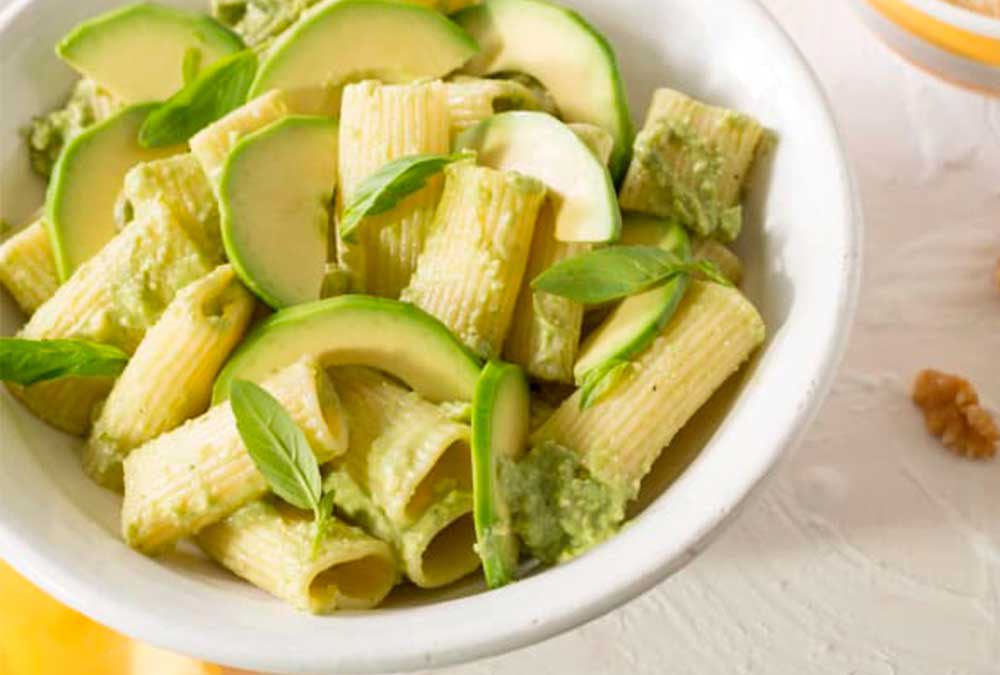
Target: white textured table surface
(873, 551)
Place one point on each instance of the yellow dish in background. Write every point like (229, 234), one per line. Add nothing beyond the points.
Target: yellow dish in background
(956, 40)
(39, 636)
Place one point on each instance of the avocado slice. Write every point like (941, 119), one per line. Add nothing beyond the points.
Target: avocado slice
(350, 40)
(536, 144)
(561, 50)
(274, 192)
(393, 336)
(86, 181)
(638, 319)
(140, 52)
(501, 420)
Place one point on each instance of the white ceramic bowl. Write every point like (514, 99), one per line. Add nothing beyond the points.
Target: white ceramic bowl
(953, 43)
(802, 251)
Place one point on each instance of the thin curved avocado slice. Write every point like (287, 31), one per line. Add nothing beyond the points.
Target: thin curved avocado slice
(141, 52)
(274, 192)
(536, 144)
(86, 182)
(636, 321)
(339, 42)
(567, 55)
(501, 421)
(393, 336)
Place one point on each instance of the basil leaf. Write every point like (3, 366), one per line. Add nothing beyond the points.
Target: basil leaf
(385, 188)
(216, 91)
(29, 361)
(609, 273)
(602, 380)
(277, 445)
(324, 515)
(191, 64)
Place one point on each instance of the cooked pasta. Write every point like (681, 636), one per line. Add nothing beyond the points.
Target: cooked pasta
(270, 544)
(199, 473)
(712, 334)
(471, 100)
(728, 262)
(28, 268)
(178, 186)
(114, 298)
(691, 161)
(169, 378)
(472, 267)
(212, 144)
(380, 123)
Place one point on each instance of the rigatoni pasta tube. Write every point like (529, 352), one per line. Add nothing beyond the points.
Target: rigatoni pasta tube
(725, 259)
(434, 551)
(212, 144)
(690, 162)
(471, 100)
(270, 544)
(545, 330)
(380, 123)
(472, 266)
(199, 473)
(404, 450)
(178, 186)
(169, 378)
(112, 298)
(28, 268)
(714, 331)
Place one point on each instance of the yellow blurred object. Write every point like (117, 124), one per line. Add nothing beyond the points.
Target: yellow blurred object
(39, 636)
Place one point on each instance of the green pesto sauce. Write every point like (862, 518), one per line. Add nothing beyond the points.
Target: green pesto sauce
(558, 509)
(693, 197)
(258, 22)
(48, 134)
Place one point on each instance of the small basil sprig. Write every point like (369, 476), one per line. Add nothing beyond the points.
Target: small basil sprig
(216, 91)
(388, 186)
(29, 361)
(281, 452)
(617, 272)
(600, 381)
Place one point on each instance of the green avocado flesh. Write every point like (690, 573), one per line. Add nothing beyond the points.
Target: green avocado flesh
(392, 336)
(636, 321)
(536, 144)
(86, 182)
(567, 55)
(501, 419)
(340, 42)
(274, 193)
(558, 509)
(139, 52)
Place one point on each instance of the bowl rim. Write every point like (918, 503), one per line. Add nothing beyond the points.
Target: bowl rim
(959, 17)
(572, 597)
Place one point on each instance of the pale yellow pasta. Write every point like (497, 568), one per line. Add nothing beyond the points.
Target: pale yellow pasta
(112, 298)
(270, 544)
(714, 331)
(28, 268)
(404, 450)
(690, 162)
(178, 186)
(545, 330)
(472, 267)
(212, 144)
(728, 262)
(199, 473)
(436, 550)
(406, 477)
(169, 378)
(472, 99)
(380, 123)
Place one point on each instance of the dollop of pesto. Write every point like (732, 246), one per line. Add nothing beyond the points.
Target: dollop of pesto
(558, 509)
(258, 22)
(48, 134)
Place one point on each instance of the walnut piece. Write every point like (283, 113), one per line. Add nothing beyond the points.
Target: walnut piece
(952, 413)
